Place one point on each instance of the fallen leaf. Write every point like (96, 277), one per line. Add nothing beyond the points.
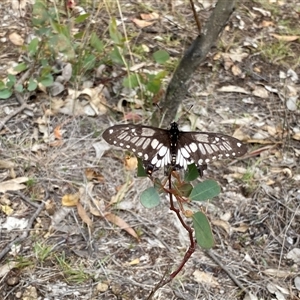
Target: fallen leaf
(223, 224)
(150, 17)
(233, 89)
(121, 223)
(141, 23)
(260, 92)
(70, 200)
(285, 38)
(83, 215)
(92, 174)
(6, 268)
(13, 184)
(131, 163)
(205, 278)
(16, 39)
(7, 210)
(133, 262)
(122, 190)
(57, 132)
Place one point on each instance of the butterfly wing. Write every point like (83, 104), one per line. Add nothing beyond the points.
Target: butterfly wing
(203, 147)
(151, 144)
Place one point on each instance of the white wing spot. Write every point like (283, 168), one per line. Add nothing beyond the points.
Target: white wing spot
(134, 139)
(127, 138)
(140, 141)
(207, 160)
(184, 152)
(208, 148)
(122, 135)
(233, 153)
(202, 149)
(146, 156)
(133, 150)
(140, 154)
(193, 147)
(110, 131)
(200, 161)
(154, 143)
(147, 131)
(227, 154)
(146, 143)
(214, 157)
(162, 151)
(154, 160)
(115, 142)
(239, 144)
(121, 144)
(127, 146)
(214, 147)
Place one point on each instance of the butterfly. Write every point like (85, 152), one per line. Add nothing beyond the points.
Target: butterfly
(173, 148)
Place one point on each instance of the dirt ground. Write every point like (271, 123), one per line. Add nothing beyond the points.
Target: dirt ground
(248, 87)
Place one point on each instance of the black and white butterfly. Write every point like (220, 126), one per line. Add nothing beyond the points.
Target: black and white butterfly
(171, 147)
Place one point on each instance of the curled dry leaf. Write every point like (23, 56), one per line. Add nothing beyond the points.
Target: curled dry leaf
(285, 38)
(121, 223)
(70, 200)
(141, 23)
(16, 39)
(83, 215)
(130, 163)
(205, 278)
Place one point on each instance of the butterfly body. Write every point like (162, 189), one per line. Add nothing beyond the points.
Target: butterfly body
(171, 147)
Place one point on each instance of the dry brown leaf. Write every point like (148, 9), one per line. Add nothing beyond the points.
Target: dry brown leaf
(13, 184)
(265, 23)
(260, 92)
(57, 132)
(121, 223)
(83, 215)
(141, 23)
(131, 163)
(224, 224)
(133, 262)
(56, 143)
(241, 228)
(205, 278)
(296, 136)
(150, 17)
(5, 164)
(236, 71)
(16, 39)
(277, 273)
(70, 200)
(122, 190)
(285, 38)
(92, 174)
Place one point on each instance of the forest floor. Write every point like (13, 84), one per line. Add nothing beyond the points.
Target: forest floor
(247, 87)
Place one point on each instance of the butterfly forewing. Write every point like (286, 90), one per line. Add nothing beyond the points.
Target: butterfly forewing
(151, 144)
(204, 147)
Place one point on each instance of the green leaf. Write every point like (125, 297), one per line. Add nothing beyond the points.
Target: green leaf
(203, 234)
(96, 43)
(205, 190)
(81, 18)
(115, 35)
(32, 85)
(33, 46)
(161, 56)
(20, 67)
(185, 189)
(89, 62)
(46, 80)
(191, 173)
(11, 81)
(140, 169)
(116, 56)
(131, 81)
(150, 197)
(19, 88)
(2, 85)
(5, 93)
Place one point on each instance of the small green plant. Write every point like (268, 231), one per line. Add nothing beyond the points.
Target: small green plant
(76, 275)
(42, 251)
